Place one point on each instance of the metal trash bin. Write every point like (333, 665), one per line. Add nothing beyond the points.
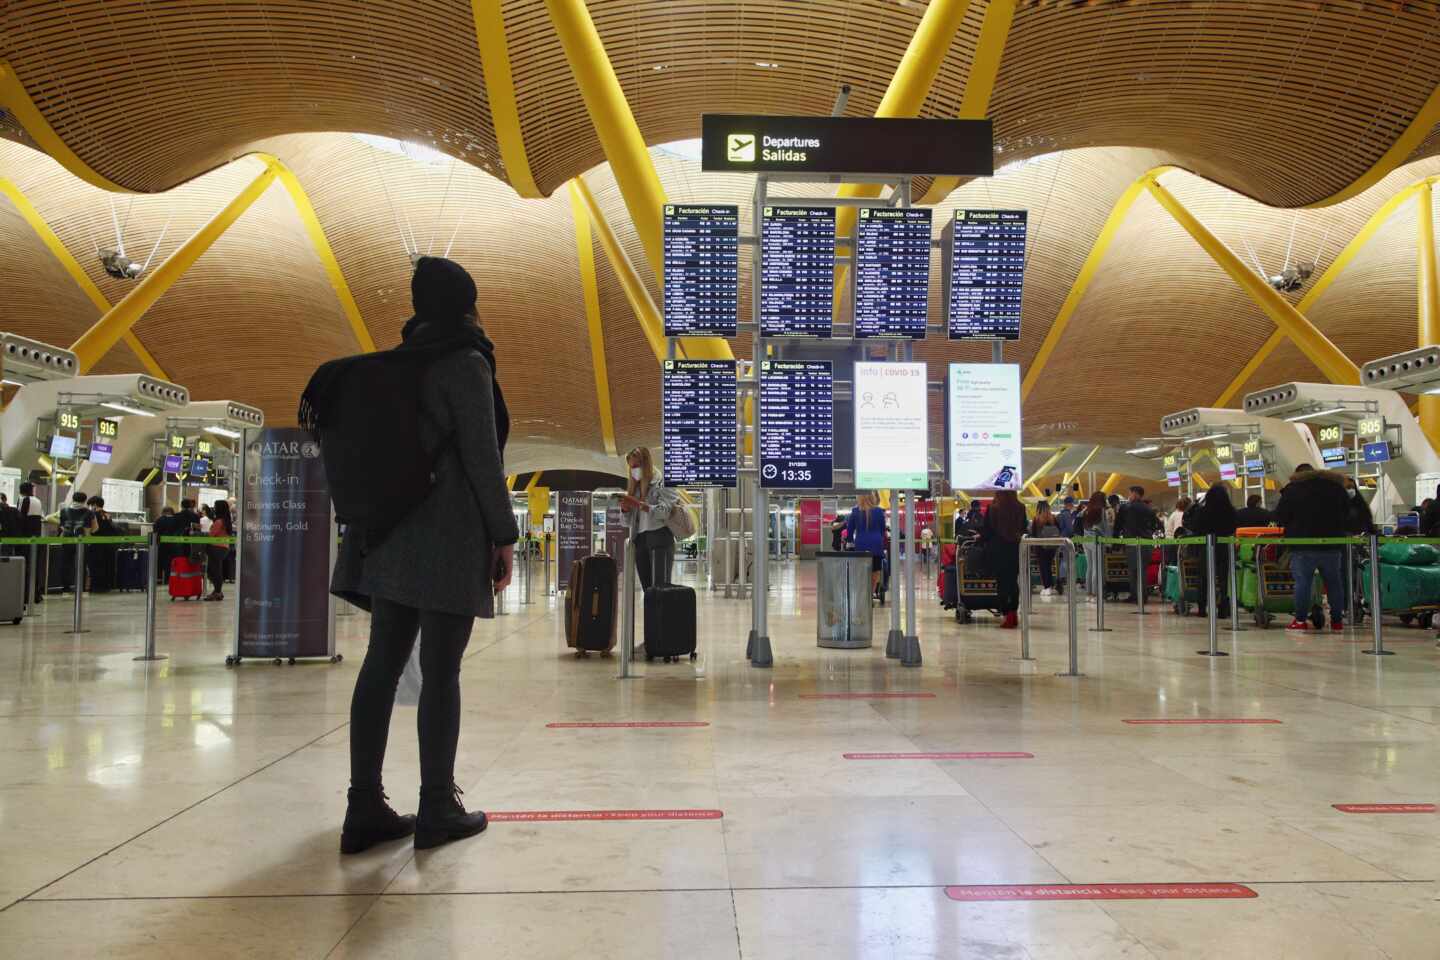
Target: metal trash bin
(843, 602)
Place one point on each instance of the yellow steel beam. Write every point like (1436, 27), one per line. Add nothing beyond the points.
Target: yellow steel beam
(651, 323)
(980, 84)
(1046, 467)
(72, 266)
(1428, 326)
(15, 99)
(1333, 363)
(1111, 482)
(534, 480)
(1341, 261)
(905, 96)
(1424, 121)
(500, 92)
(1072, 474)
(1082, 280)
(585, 250)
(630, 162)
(119, 319)
(321, 245)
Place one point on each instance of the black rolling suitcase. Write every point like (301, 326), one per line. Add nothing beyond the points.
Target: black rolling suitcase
(130, 570)
(590, 605)
(669, 623)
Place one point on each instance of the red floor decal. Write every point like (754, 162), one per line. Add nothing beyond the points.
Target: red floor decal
(532, 816)
(629, 724)
(1194, 720)
(1103, 891)
(939, 756)
(1384, 807)
(867, 696)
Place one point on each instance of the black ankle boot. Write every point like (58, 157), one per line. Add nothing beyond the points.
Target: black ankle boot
(442, 818)
(369, 820)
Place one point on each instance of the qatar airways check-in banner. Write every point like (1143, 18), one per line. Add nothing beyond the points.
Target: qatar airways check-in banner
(286, 549)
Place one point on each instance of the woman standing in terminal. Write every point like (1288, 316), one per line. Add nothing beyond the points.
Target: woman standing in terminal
(1214, 513)
(654, 543)
(1092, 524)
(1004, 526)
(437, 568)
(867, 535)
(220, 526)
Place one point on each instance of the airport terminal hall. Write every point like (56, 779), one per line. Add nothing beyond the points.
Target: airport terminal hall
(720, 479)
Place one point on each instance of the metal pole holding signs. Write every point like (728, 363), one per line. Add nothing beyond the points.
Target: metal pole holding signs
(627, 600)
(79, 616)
(910, 651)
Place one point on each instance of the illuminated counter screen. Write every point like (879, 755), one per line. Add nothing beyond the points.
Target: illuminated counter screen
(987, 271)
(892, 273)
(702, 270)
(797, 424)
(797, 271)
(698, 416)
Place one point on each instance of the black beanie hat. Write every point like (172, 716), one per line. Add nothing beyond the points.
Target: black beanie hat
(441, 288)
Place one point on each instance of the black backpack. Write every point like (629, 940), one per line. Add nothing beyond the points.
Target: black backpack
(365, 413)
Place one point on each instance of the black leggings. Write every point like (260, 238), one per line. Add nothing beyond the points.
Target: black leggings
(216, 566)
(650, 546)
(443, 637)
(1005, 561)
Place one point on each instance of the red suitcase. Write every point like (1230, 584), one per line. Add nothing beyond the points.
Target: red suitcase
(187, 579)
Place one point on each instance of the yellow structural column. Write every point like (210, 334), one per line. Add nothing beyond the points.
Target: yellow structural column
(585, 252)
(1333, 363)
(1045, 469)
(119, 319)
(1111, 482)
(1429, 312)
(490, 37)
(648, 315)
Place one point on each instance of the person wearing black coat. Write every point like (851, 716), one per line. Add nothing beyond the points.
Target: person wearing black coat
(1214, 514)
(1252, 514)
(1314, 504)
(1136, 519)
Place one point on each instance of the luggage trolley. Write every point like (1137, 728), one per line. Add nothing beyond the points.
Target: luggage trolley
(1117, 570)
(1185, 582)
(1409, 590)
(1266, 584)
(973, 590)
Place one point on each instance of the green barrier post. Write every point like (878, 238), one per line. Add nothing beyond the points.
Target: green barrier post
(1212, 616)
(1095, 573)
(1378, 648)
(152, 574)
(78, 626)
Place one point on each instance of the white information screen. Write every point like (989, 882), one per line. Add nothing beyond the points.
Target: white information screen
(983, 426)
(208, 495)
(123, 496)
(10, 484)
(892, 436)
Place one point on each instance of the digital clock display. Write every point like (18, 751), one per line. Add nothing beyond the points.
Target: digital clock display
(107, 428)
(797, 424)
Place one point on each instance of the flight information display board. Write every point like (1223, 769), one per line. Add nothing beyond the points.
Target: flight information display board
(702, 269)
(797, 424)
(698, 424)
(797, 271)
(892, 273)
(987, 269)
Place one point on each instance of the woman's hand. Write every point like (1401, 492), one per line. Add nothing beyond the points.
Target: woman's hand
(629, 503)
(502, 566)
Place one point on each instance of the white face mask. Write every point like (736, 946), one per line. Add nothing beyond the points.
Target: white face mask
(635, 473)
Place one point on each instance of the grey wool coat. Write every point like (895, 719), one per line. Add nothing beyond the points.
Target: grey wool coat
(438, 557)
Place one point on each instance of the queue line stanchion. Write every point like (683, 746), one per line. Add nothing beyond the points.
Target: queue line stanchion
(1352, 594)
(1377, 649)
(1137, 579)
(895, 639)
(152, 573)
(1095, 573)
(1067, 547)
(1025, 599)
(1234, 588)
(1212, 619)
(79, 616)
(910, 650)
(32, 574)
(627, 601)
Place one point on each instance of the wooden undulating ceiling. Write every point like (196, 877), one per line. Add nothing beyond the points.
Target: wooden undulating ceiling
(1283, 100)
(1264, 104)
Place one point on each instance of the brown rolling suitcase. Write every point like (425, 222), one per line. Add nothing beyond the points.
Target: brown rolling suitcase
(590, 605)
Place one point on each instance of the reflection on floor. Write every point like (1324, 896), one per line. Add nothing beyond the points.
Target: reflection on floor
(182, 808)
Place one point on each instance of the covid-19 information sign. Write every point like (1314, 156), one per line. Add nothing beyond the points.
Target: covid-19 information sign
(892, 436)
(982, 408)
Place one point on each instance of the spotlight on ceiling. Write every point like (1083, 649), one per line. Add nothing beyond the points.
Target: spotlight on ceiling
(1291, 278)
(119, 266)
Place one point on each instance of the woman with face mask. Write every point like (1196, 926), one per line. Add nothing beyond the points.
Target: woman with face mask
(653, 501)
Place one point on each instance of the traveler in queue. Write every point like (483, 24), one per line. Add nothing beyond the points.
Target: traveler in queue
(220, 526)
(1135, 519)
(1001, 531)
(1175, 519)
(1214, 514)
(1045, 525)
(438, 564)
(32, 516)
(1429, 517)
(1092, 524)
(1314, 504)
(207, 517)
(77, 521)
(187, 520)
(654, 543)
(867, 535)
(100, 557)
(1359, 522)
(1252, 514)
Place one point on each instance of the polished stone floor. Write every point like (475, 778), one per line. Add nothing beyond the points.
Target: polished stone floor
(186, 809)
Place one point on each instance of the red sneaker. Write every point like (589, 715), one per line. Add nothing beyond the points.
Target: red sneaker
(1337, 626)
(1010, 622)
(1298, 625)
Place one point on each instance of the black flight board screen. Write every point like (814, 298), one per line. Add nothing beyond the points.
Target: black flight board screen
(797, 271)
(702, 270)
(892, 273)
(797, 424)
(698, 422)
(987, 267)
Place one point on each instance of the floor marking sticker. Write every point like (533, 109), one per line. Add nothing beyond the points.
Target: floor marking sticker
(629, 724)
(1103, 891)
(1194, 720)
(940, 756)
(867, 696)
(552, 816)
(1384, 807)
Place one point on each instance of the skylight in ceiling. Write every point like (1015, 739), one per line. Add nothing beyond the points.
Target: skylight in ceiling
(408, 149)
